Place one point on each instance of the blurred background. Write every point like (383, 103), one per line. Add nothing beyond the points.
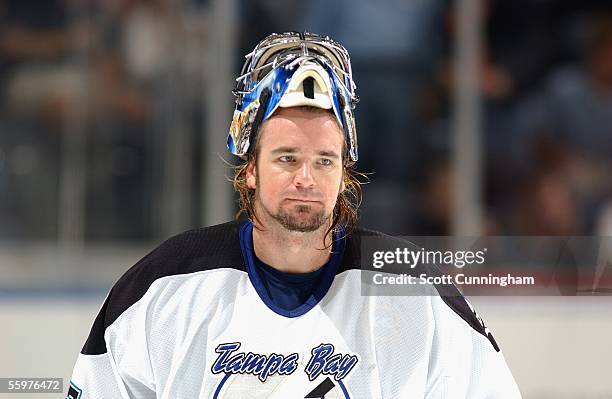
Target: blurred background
(476, 117)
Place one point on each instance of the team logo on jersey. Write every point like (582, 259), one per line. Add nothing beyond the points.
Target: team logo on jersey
(276, 375)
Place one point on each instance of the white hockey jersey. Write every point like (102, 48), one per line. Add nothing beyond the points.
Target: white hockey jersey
(192, 320)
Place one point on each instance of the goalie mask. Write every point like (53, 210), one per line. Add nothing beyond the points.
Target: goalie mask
(289, 70)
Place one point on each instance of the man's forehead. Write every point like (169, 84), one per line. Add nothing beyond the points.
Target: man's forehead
(291, 127)
(303, 113)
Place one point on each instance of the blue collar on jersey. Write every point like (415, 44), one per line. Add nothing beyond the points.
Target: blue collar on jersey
(246, 244)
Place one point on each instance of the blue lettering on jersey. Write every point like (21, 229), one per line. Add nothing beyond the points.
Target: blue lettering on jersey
(262, 366)
(324, 361)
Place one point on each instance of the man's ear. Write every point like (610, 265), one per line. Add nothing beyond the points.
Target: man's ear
(251, 172)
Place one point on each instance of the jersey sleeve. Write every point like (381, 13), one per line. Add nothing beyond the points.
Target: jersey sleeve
(100, 377)
(466, 361)
(114, 361)
(94, 377)
(489, 375)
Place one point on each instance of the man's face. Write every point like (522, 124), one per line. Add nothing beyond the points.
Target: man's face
(297, 175)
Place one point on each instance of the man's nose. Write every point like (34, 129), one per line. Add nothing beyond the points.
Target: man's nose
(303, 177)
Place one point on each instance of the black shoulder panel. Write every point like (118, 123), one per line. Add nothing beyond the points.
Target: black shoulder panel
(457, 302)
(192, 251)
(352, 248)
(448, 292)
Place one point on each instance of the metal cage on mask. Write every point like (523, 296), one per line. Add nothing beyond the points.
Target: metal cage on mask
(293, 69)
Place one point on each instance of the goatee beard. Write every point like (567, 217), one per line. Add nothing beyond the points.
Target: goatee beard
(303, 225)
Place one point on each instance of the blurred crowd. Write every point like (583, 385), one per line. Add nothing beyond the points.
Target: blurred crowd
(89, 92)
(103, 87)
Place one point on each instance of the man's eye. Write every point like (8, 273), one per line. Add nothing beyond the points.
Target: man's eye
(287, 158)
(325, 161)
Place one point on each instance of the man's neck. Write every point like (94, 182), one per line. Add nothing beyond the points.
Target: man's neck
(289, 251)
